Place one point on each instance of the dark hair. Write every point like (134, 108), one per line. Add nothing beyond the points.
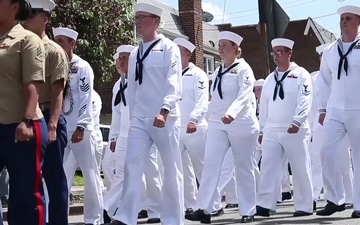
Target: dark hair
(24, 10)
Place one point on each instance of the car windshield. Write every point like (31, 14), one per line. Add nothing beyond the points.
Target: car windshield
(105, 133)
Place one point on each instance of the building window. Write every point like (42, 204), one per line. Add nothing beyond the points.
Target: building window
(209, 65)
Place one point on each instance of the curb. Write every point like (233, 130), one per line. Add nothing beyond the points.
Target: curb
(75, 209)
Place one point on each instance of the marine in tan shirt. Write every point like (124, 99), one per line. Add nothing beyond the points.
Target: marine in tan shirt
(22, 60)
(56, 69)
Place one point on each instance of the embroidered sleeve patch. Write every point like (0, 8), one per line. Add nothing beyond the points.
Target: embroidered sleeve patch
(174, 64)
(40, 54)
(246, 80)
(305, 90)
(201, 85)
(82, 110)
(84, 87)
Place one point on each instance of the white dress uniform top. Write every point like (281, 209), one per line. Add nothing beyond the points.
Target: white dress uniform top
(193, 107)
(77, 108)
(339, 98)
(154, 83)
(96, 133)
(278, 145)
(235, 100)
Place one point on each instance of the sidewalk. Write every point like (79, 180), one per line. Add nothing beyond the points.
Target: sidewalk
(75, 208)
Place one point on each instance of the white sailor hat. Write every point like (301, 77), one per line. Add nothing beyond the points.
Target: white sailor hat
(145, 7)
(65, 32)
(282, 42)
(349, 9)
(185, 43)
(259, 83)
(121, 49)
(320, 48)
(46, 5)
(227, 35)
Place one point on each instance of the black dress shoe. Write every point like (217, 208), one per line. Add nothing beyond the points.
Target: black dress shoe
(199, 215)
(231, 206)
(142, 214)
(261, 211)
(153, 220)
(217, 212)
(349, 205)
(116, 222)
(107, 218)
(189, 211)
(330, 209)
(247, 219)
(301, 213)
(355, 214)
(285, 196)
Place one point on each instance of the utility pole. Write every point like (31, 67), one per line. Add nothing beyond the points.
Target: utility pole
(273, 22)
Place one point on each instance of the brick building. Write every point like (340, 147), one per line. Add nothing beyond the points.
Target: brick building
(187, 23)
(306, 33)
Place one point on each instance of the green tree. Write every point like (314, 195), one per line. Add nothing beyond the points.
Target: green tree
(102, 26)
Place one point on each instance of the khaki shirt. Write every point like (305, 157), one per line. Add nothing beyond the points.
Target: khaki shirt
(22, 60)
(56, 68)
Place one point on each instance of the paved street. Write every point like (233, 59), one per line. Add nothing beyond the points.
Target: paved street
(283, 216)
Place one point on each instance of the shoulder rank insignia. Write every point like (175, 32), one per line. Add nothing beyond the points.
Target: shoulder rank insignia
(306, 92)
(84, 87)
(201, 85)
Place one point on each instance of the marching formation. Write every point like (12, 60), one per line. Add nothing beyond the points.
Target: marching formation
(179, 142)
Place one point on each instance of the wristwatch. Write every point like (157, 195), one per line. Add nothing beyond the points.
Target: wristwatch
(165, 110)
(80, 128)
(28, 121)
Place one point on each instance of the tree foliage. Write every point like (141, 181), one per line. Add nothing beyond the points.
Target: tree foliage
(102, 26)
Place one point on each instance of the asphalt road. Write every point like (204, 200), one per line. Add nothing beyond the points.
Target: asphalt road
(282, 216)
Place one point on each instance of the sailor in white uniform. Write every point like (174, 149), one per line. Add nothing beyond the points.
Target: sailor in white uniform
(77, 109)
(339, 107)
(232, 123)
(109, 161)
(315, 147)
(120, 123)
(193, 107)
(154, 90)
(284, 107)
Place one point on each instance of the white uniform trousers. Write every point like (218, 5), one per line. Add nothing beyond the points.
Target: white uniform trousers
(192, 147)
(142, 134)
(242, 139)
(83, 154)
(98, 156)
(108, 165)
(337, 124)
(345, 165)
(316, 167)
(152, 185)
(285, 181)
(227, 181)
(112, 197)
(278, 146)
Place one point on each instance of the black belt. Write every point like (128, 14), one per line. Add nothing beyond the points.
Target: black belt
(44, 106)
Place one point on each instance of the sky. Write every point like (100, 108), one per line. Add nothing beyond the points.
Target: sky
(244, 12)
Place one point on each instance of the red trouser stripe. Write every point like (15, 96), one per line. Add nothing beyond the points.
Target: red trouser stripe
(38, 182)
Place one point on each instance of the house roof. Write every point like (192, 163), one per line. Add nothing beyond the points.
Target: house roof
(170, 26)
(323, 35)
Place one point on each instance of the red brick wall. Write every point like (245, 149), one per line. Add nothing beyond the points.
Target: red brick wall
(304, 53)
(190, 13)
